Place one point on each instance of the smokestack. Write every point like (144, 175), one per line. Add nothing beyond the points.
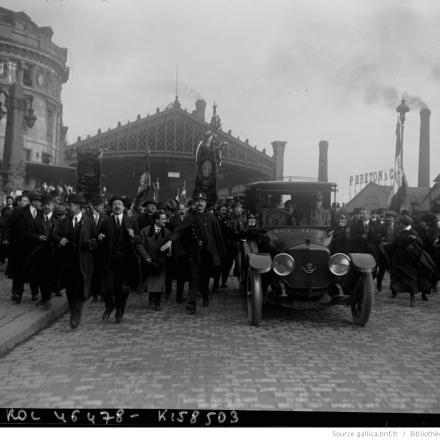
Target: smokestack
(323, 163)
(424, 180)
(278, 159)
(199, 112)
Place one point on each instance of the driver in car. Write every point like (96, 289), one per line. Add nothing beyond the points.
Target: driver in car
(290, 207)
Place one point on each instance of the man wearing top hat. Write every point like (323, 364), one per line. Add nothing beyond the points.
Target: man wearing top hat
(146, 219)
(76, 236)
(97, 214)
(121, 262)
(201, 237)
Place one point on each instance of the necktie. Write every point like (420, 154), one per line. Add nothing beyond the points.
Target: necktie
(75, 222)
(46, 219)
(118, 222)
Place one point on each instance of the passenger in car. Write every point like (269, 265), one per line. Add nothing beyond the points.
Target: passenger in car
(319, 216)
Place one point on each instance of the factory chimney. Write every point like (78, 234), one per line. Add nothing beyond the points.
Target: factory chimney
(424, 180)
(323, 162)
(278, 159)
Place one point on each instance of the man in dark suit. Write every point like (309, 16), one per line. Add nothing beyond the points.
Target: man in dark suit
(98, 216)
(364, 235)
(31, 233)
(44, 254)
(121, 262)
(76, 235)
(146, 219)
(14, 242)
(202, 239)
(177, 263)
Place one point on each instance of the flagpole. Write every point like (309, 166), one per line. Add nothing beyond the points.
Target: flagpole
(402, 109)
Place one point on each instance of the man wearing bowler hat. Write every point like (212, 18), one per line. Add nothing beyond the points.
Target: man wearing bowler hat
(121, 262)
(146, 219)
(76, 237)
(202, 239)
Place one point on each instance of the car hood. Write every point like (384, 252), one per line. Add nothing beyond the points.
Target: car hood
(285, 239)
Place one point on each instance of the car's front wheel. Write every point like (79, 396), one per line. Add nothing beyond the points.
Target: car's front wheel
(362, 300)
(254, 293)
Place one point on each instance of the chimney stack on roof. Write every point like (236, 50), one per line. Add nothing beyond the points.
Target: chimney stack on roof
(199, 112)
(424, 147)
(323, 162)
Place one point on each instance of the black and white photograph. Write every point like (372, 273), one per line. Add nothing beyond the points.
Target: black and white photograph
(220, 213)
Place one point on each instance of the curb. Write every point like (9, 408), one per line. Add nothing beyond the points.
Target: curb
(30, 324)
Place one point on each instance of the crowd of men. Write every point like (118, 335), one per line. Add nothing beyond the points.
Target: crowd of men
(105, 248)
(405, 245)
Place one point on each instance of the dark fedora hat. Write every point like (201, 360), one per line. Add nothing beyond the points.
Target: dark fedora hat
(47, 198)
(98, 199)
(117, 197)
(59, 211)
(150, 202)
(35, 195)
(172, 205)
(77, 199)
(405, 220)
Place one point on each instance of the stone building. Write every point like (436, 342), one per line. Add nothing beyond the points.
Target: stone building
(44, 72)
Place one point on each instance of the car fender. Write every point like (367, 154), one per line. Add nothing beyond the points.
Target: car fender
(262, 263)
(363, 262)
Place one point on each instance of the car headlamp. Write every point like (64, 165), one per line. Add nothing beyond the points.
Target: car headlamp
(339, 264)
(283, 264)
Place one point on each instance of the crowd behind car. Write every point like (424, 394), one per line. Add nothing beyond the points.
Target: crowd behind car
(108, 246)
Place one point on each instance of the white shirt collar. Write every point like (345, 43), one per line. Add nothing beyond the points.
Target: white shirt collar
(120, 216)
(157, 228)
(407, 228)
(33, 210)
(49, 216)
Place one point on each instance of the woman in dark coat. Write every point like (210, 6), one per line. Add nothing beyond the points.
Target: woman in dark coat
(405, 257)
(150, 240)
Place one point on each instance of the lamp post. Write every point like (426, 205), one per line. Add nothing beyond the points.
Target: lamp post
(402, 109)
(18, 112)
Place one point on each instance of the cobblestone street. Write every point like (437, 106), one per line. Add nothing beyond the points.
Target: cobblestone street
(295, 360)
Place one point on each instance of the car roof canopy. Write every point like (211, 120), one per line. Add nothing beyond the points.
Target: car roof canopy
(276, 185)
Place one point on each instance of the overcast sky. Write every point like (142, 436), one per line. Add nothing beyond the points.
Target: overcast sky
(294, 70)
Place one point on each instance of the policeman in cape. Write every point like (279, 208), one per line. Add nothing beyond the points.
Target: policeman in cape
(201, 237)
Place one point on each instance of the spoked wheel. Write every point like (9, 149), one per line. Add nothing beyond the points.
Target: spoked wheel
(362, 300)
(254, 296)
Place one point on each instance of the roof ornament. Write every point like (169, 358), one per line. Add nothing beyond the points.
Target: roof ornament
(216, 123)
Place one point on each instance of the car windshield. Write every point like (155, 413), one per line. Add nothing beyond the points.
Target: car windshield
(295, 208)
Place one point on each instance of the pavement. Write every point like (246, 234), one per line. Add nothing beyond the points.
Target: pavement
(314, 360)
(18, 322)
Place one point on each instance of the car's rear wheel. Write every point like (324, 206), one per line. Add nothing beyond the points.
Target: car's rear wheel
(254, 293)
(362, 300)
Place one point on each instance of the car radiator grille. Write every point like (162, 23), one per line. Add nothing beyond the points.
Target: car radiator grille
(311, 270)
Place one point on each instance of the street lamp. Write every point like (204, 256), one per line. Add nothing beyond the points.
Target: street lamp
(402, 109)
(24, 104)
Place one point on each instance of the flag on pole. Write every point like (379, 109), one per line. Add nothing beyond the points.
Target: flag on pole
(144, 186)
(398, 191)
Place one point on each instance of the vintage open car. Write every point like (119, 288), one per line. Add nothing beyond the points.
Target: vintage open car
(285, 255)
